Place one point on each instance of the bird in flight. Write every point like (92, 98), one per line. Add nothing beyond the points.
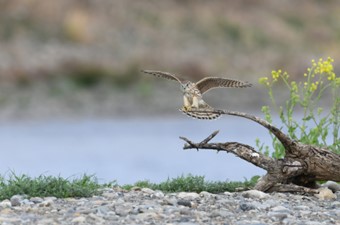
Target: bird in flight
(194, 106)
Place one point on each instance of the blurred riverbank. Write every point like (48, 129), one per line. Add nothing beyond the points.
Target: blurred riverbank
(236, 38)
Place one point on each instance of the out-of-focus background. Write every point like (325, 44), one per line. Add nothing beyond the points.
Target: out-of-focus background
(73, 100)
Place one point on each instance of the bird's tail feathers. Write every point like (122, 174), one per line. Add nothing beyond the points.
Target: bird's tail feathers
(202, 114)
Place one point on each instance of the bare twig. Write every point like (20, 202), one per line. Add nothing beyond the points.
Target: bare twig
(211, 136)
(189, 144)
(243, 151)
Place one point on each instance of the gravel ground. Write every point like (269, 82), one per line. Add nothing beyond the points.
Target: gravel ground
(146, 206)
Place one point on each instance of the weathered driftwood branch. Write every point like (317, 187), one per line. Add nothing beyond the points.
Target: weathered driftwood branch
(243, 151)
(297, 171)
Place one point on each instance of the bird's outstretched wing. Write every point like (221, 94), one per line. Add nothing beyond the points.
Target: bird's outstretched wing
(208, 83)
(165, 75)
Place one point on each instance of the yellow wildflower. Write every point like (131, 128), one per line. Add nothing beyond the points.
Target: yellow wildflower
(313, 63)
(331, 76)
(263, 80)
(285, 75)
(325, 66)
(337, 81)
(294, 86)
(276, 74)
(313, 87)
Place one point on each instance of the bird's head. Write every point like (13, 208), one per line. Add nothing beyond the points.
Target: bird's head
(186, 86)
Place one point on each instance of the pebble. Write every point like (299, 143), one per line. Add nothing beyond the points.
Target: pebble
(334, 186)
(325, 193)
(255, 194)
(188, 195)
(16, 200)
(146, 206)
(5, 203)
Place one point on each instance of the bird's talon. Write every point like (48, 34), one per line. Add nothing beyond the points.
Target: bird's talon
(186, 108)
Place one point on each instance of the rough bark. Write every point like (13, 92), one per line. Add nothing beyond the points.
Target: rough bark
(298, 171)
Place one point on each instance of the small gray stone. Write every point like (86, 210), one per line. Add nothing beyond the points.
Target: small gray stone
(120, 201)
(51, 198)
(47, 202)
(326, 194)
(334, 186)
(110, 195)
(102, 210)
(96, 218)
(78, 219)
(221, 213)
(122, 210)
(147, 216)
(337, 195)
(184, 219)
(16, 200)
(280, 195)
(226, 202)
(255, 194)
(5, 203)
(85, 211)
(36, 200)
(335, 205)
(148, 191)
(278, 215)
(280, 209)
(158, 194)
(205, 194)
(169, 201)
(245, 206)
(337, 212)
(227, 193)
(27, 202)
(183, 202)
(302, 207)
(269, 203)
(185, 211)
(188, 195)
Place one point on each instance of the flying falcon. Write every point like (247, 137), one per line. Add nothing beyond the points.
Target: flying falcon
(194, 105)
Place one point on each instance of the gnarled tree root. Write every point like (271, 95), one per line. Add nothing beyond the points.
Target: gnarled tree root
(298, 171)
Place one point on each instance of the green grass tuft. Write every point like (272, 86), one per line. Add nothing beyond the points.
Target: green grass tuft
(87, 186)
(44, 186)
(197, 184)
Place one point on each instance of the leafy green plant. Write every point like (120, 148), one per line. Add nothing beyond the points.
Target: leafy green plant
(317, 124)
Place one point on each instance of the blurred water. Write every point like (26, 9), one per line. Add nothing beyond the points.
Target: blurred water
(126, 150)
